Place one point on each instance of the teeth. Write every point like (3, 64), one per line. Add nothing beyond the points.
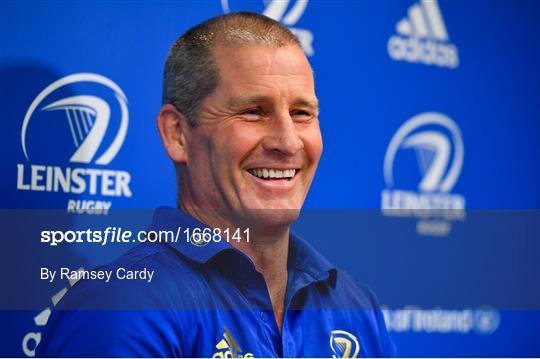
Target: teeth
(272, 173)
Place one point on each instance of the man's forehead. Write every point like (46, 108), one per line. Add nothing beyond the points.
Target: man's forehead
(247, 71)
(252, 57)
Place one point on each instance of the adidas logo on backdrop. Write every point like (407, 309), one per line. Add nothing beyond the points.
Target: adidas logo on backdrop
(422, 37)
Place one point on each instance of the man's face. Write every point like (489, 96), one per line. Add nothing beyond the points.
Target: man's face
(259, 142)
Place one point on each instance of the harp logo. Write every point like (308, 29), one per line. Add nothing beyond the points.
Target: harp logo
(88, 118)
(437, 143)
(82, 125)
(344, 344)
(285, 11)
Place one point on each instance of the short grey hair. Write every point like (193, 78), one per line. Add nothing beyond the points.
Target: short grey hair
(191, 73)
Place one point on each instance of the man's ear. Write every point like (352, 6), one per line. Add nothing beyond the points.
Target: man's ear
(172, 127)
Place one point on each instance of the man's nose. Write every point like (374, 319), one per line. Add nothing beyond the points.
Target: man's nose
(283, 136)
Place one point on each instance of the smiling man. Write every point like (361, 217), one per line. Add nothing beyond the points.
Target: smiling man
(240, 122)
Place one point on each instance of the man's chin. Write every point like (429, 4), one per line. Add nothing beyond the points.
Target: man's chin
(270, 217)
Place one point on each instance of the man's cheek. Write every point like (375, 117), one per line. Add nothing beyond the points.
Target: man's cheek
(313, 147)
(317, 149)
(239, 150)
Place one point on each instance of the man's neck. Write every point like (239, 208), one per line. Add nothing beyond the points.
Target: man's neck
(268, 249)
(270, 258)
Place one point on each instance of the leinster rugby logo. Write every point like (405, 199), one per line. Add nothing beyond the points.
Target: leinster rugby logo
(88, 118)
(87, 128)
(284, 11)
(344, 344)
(437, 143)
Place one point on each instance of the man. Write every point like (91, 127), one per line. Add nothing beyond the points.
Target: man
(240, 122)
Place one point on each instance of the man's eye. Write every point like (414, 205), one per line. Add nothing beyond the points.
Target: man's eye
(301, 115)
(252, 113)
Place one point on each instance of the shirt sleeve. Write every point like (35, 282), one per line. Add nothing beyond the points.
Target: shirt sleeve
(110, 333)
(388, 347)
(386, 344)
(361, 298)
(115, 319)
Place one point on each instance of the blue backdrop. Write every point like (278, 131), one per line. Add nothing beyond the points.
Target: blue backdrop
(424, 104)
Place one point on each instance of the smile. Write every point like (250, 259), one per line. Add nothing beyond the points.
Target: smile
(271, 173)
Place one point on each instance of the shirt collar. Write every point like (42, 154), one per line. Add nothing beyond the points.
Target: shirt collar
(303, 258)
(306, 259)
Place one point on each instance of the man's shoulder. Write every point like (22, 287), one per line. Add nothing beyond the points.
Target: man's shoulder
(159, 257)
(362, 308)
(355, 294)
(143, 313)
(147, 277)
(341, 290)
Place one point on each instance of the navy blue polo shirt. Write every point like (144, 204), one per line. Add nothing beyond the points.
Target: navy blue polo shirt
(210, 301)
